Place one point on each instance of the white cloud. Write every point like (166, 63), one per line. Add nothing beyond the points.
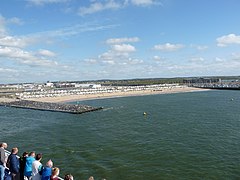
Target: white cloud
(197, 59)
(7, 70)
(122, 40)
(201, 48)
(236, 56)
(107, 55)
(12, 41)
(91, 61)
(119, 54)
(15, 20)
(144, 2)
(98, 7)
(46, 36)
(228, 39)
(12, 49)
(123, 48)
(25, 57)
(134, 61)
(110, 62)
(70, 31)
(157, 58)
(168, 47)
(44, 52)
(219, 60)
(4, 22)
(43, 2)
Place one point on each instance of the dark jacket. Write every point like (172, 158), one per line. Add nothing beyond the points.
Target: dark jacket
(13, 162)
(22, 167)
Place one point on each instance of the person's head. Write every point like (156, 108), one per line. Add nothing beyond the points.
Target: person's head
(3, 145)
(39, 157)
(91, 178)
(14, 150)
(68, 177)
(25, 154)
(55, 171)
(49, 163)
(32, 154)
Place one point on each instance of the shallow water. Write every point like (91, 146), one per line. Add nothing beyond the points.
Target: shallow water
(183, 136)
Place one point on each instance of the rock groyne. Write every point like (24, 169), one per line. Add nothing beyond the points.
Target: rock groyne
(45, 106)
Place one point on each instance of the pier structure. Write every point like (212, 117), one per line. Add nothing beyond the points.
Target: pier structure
(219, 86)
(56, 107)
(213, 83)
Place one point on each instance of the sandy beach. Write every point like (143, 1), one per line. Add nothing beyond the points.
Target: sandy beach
(70, 98)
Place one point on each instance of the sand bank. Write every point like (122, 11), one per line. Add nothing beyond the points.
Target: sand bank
(70, 98)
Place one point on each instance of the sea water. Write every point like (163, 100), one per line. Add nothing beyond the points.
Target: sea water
(183, 136)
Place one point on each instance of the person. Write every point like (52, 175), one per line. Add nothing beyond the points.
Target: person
(91, 178)
(68, 177)
(22, 164)
(55, 173)
(47, 170)
(28, 167)
(13, 162)
(37, 167)
(3, 158)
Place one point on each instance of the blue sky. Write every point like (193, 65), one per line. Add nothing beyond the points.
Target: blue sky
(56, 40)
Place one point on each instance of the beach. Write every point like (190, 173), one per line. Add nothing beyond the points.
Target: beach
(69, 98)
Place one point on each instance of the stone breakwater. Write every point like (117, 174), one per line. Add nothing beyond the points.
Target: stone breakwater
(45, 106)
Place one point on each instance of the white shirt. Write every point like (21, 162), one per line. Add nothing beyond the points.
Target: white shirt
(35, 168)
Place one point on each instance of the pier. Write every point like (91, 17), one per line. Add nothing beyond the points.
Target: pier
(55, 107)
(217, 86)
(213, 83)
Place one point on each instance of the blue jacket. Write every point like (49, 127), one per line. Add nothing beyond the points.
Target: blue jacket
(13, 163)
(46, 174)
(28, 167)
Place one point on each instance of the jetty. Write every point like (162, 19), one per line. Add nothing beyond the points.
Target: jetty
(46, 106)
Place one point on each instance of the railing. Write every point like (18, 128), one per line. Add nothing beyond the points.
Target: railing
(8, 153)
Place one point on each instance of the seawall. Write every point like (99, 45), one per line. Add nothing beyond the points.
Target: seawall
(56, 107)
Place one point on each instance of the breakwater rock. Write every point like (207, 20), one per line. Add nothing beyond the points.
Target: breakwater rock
(45, 106)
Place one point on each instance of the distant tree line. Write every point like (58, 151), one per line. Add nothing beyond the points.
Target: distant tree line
(150, 81)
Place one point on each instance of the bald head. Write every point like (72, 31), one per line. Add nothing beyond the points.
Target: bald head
(49, 163)
(3, 145)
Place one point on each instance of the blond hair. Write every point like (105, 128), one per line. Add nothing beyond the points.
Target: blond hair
(55, 171)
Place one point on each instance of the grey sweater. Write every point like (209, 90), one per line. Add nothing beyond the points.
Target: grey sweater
(2, 156)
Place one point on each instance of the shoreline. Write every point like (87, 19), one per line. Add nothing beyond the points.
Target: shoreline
(72, 98)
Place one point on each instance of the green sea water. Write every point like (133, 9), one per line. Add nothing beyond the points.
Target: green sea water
(183, 136)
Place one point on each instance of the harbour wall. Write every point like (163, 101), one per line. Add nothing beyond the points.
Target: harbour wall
(55, 107)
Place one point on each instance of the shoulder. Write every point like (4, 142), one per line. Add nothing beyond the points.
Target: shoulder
(11, 156)
(37, 163)
(30, 159)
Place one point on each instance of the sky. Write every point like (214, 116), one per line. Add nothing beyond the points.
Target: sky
(75, 40)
